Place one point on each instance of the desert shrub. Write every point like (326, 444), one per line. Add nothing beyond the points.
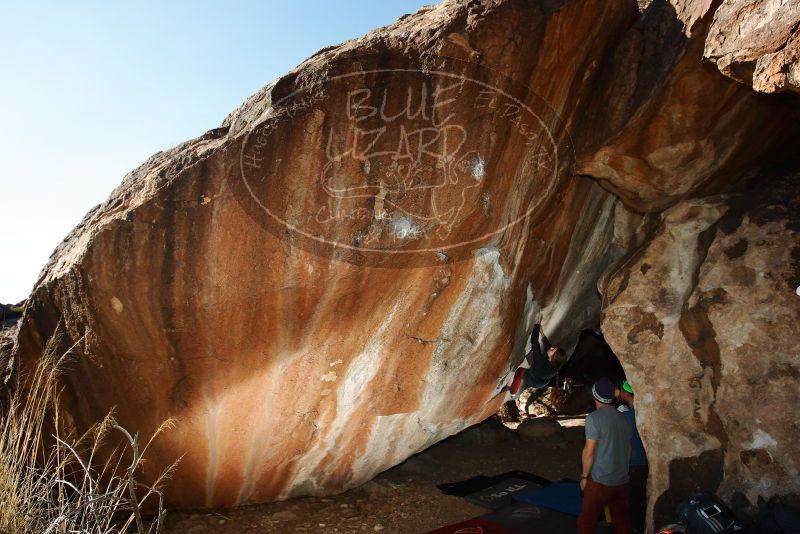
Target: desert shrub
(52, 481)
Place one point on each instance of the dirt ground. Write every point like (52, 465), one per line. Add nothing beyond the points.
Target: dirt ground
(405, 499)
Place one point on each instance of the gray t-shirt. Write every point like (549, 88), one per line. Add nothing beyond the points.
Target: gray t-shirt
(613, 434)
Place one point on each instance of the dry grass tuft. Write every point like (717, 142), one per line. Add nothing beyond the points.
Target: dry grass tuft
(54, 482)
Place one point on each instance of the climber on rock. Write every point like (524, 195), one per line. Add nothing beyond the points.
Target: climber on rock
(545, 361)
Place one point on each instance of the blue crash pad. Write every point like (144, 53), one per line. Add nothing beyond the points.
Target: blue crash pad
(562, 496)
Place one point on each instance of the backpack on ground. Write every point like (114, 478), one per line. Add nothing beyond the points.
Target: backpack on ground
(704, 513)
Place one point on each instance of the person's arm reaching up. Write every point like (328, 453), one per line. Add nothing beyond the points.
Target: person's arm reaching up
(536, 344)
(544, 343)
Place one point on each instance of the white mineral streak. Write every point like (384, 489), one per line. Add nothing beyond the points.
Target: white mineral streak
(473, 326)
(394, 437)
(349, 399)
(478, 169)
(452, 371)
(576, 304)
(266, 418)
(404, 227)
(761, 440)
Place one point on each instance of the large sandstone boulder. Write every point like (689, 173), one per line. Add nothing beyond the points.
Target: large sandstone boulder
(347, 270)
(661, 125)
(757, 42)
(704, 318)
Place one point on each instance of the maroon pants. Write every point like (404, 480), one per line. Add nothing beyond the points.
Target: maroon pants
(596, 497)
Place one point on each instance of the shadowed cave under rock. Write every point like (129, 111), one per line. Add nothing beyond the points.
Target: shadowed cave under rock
(570, 391)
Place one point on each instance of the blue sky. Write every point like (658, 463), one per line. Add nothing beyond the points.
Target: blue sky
(89, 90)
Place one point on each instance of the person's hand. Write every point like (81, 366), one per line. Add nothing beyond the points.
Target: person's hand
(583, 484)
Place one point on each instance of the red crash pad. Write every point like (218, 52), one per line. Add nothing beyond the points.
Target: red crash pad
(472, 526)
